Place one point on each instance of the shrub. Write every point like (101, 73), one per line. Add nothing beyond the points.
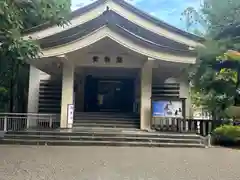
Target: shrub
(227, 135)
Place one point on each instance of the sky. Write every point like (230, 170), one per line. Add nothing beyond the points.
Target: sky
(166, 10)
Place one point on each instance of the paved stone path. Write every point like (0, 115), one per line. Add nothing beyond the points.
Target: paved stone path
(117, 163)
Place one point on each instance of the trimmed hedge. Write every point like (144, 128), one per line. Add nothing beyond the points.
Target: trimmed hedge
(227, 135)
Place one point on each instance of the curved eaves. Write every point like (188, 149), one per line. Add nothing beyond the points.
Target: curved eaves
(119, 30)
(105, 32)
(113, 18)
(120, 25)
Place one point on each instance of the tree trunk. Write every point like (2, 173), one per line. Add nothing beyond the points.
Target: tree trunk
(13, 85)
(237, 86)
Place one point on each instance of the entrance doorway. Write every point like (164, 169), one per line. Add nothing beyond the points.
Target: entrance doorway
(109, 95)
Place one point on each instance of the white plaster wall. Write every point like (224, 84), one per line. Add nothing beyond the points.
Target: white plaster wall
(87, 61)
(106, 48)
(35, 76)
(44, 76)
(160, 75)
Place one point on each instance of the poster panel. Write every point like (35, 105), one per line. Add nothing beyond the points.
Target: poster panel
(167, 108)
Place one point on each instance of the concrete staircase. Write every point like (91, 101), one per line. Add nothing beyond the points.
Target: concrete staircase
(50, 96)
(102, 137)
(106, 120)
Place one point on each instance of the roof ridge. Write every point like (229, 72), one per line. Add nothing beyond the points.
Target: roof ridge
(157, 20)
(128, 6)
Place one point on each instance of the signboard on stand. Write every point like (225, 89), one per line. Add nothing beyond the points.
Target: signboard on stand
(70, 115)
(167, 108)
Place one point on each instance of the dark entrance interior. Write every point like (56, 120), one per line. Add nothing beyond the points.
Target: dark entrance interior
(108, 95)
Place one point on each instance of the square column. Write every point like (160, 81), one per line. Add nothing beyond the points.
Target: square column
(146, 94)
(33, 92)
(33, 95)
(185, 94)
(67, 92)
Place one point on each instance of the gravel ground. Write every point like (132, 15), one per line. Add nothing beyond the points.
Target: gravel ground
(118, 163)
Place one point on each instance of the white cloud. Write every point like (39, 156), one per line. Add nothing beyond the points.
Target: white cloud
(153, 13)
(134, 1)
(80, 3)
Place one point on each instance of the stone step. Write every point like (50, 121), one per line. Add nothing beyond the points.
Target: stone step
(107, 114)
(104, 129)
(98, 121)
(106, 118)
(96, 143)
(109, 125)
(104, 138)
(49, 105)
(111, 132)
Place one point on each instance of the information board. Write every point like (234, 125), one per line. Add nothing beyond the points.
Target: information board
(165, 108)
(70, 114)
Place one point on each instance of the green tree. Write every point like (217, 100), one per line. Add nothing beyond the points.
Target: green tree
(213, 16)
(15, 17)
(215, 84)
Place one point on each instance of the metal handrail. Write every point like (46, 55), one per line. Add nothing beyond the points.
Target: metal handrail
(28, 114)
(24, 121)
(203, 127)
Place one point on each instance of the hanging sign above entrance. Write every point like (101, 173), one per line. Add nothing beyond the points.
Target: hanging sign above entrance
(165, 108)
(70, 115)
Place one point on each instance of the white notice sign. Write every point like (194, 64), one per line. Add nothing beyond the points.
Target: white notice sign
(70, 115)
